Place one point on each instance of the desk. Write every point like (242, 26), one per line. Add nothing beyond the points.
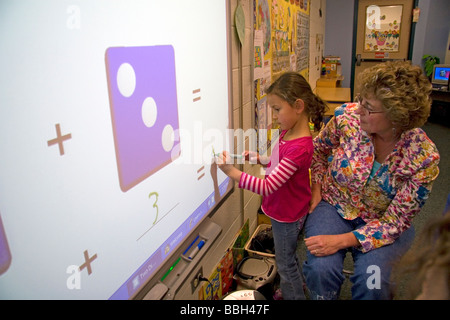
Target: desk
(329, 82)
(334, 97)
(440, 108)
(440, 95)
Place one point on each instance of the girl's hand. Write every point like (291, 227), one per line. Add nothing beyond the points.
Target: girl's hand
(255, 158)
(251, 156)
(225, 164)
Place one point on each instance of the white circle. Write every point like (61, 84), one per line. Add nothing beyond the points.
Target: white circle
(149, 112)
(126, 79)
(167, 138)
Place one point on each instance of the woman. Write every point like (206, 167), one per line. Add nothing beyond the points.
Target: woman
(372, 171)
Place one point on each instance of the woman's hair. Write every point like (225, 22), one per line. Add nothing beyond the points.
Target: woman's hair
(402, 88)
(291, 86)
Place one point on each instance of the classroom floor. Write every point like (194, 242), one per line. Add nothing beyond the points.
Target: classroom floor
(434, 206)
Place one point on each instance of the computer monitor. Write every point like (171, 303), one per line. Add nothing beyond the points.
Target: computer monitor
(440, 75)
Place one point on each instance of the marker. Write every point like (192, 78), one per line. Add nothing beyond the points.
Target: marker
(232, 155)
(196, 249)
(195, 240)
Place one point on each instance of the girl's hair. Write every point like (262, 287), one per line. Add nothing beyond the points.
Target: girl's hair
(291, 86)
(402, 88)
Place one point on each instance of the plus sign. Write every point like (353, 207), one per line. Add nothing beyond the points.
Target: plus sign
(87, 262)
(59, 139)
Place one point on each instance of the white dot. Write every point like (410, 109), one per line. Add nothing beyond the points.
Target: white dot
(126, 79)
(167, 138)
(149, 112)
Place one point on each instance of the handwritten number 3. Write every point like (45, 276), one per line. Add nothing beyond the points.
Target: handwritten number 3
(154, 204)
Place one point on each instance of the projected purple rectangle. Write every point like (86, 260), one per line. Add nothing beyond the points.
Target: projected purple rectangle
(144, 110)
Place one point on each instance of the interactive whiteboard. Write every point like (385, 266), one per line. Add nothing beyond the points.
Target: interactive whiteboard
(109, 111)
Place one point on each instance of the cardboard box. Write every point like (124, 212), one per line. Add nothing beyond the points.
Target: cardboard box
(331, 66)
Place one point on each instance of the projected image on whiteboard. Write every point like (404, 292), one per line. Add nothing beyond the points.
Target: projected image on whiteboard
(109, 112)
(144, 111)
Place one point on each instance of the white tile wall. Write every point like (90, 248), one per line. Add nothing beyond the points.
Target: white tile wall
(316, 39)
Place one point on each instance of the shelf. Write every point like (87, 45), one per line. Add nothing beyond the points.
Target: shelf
(329, 82)
(334, 97)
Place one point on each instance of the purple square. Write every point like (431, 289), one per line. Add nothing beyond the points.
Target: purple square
(144, 110)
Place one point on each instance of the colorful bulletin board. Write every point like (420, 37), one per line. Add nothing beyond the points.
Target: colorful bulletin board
(281, 43)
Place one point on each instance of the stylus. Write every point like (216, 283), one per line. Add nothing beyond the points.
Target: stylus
(196, 249)
(232, 155)
(195, 240)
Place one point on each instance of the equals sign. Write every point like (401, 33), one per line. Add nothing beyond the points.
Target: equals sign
(201, 173)
(196, 94)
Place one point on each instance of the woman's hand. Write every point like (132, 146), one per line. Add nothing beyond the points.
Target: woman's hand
(316, 196)
(325, 245)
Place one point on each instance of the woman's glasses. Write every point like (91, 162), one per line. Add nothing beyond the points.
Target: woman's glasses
(367, 108)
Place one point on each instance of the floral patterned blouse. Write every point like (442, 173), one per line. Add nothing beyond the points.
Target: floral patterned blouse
(342, 162)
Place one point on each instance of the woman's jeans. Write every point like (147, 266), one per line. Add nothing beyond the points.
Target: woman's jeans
(372, 270)
(285, 236)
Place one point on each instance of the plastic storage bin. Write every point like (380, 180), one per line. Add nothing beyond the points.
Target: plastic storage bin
(267, 244)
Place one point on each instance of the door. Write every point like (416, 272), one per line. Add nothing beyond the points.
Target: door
(383, 33)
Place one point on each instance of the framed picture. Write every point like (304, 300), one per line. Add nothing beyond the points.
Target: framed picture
(383, 28)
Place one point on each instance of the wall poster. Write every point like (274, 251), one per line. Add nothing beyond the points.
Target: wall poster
(383, 28)
(281, 43)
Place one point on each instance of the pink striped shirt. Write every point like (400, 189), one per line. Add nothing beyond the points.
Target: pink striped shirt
(286, 188)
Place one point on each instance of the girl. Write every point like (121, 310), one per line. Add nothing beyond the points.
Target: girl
(286, 188)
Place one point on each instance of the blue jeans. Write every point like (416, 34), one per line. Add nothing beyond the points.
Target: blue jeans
(372, 270)
(285, 236)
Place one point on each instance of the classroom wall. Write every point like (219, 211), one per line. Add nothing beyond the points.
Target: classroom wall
(339, 34)
(316, 39)
(447, 53)
(432, 30)
(431, 34)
